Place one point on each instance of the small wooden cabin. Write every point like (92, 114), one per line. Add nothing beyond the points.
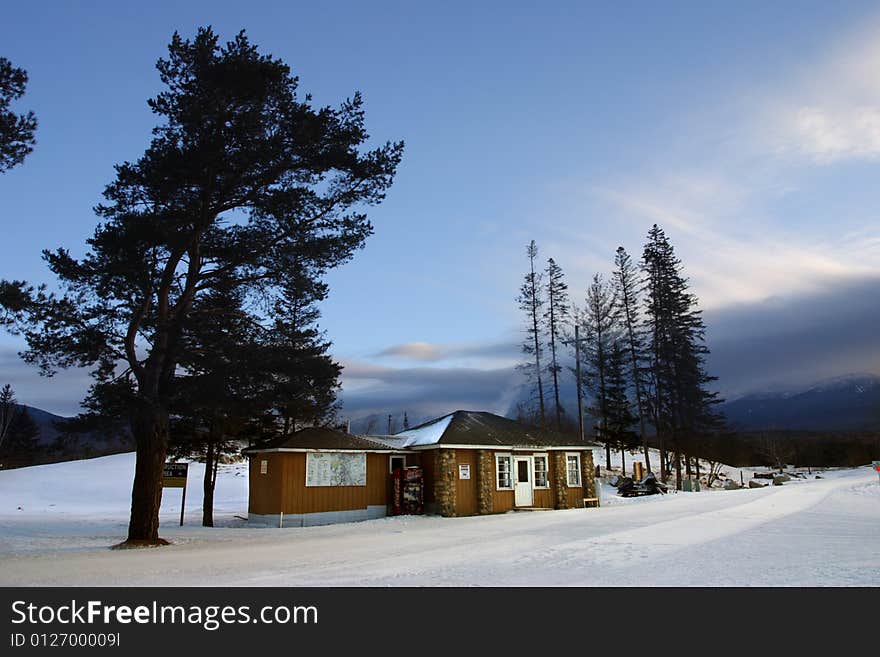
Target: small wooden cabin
(473, 463)
(319, 476)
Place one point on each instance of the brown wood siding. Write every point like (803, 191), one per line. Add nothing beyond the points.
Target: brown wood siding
(543, 498)
(466, 502)
(427, 462)
(284, 488)
(264, 490)
(502, 500)
(378, 479)
(575, 497)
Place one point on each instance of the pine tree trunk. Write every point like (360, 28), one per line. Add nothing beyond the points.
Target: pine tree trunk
(208, 487)
(687, 465)
(623, 461)
(697, 464)
(608, 455)
(662, 447)
(149, 426)
(677, 470)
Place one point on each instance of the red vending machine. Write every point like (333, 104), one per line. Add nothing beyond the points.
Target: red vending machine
(408, 491)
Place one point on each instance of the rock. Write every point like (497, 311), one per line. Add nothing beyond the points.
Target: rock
(755, 484)
(782, 477)
(730, 484)
(819, 477)
(778, 480)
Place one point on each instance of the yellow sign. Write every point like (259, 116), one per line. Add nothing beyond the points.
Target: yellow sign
(174, 475)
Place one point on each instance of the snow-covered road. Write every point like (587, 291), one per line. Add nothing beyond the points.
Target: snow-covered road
(815, 532)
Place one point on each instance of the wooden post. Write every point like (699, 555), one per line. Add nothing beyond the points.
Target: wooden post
(182, 503)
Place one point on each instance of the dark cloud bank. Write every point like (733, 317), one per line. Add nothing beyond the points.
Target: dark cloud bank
(779, 344)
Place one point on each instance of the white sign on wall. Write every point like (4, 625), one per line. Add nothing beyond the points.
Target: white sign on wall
(336, 469)
(464, 471)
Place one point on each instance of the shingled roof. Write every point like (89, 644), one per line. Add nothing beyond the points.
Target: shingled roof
(480, 428)
(318, 438)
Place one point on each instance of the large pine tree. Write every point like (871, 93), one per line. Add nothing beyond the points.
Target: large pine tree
(245, 185)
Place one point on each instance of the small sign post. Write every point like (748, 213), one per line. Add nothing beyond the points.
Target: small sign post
(174, 476)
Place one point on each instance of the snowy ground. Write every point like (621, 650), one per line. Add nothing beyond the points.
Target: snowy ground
(57, 522)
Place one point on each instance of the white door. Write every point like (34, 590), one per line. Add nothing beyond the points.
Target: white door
(523, 481)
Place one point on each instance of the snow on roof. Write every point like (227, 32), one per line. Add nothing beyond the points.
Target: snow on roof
(426, 434)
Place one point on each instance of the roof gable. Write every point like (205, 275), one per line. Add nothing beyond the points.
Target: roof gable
(479, 428)
(320, 438)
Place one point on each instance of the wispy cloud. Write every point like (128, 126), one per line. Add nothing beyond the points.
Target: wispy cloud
(502, 352)
(830, 111)
(419, 351)
(759, 214)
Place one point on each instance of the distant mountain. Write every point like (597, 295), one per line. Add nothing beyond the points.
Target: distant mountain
(849, 403)
(59, 441)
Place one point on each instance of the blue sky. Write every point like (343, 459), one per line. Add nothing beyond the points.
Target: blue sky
(750, 132)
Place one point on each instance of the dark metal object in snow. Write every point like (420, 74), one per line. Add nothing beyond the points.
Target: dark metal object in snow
(649, 485)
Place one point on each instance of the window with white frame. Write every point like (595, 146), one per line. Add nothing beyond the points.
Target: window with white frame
(541, 479)
(573, 469)
(503, 471)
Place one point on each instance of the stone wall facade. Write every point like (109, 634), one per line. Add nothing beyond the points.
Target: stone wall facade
(444, 482)
(588, 473)
(485, 481)
(559, 482)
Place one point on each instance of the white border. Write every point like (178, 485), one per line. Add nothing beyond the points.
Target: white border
(580, 482)
(546, 458)
(497, 471)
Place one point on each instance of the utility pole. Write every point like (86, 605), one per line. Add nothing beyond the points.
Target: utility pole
(389, 424)
(577, 365)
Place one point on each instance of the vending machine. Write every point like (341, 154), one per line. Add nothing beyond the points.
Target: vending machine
(408, 491)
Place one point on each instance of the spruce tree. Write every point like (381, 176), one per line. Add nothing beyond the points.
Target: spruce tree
(23, 437)
(555, 319)
(530, 302)
(681, 403)
(619, 416)
(598, 327)
(9, 410)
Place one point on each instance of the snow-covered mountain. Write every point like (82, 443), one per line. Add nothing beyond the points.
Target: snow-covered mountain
(848, 403)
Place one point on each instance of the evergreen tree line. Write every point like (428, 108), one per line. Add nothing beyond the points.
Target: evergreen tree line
(639, 349)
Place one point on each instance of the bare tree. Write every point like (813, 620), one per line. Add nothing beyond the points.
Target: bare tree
(776, 451)
(555, 318)
(530, 302)
(714, 472)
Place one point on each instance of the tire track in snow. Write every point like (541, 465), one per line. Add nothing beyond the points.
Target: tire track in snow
(659, 539)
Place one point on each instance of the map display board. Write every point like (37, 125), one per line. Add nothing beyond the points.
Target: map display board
(336, 469)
